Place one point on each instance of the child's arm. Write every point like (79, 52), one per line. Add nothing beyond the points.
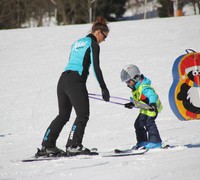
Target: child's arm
(152, 96)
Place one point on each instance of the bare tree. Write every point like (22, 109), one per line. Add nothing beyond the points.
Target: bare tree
(196, 6)
(22, 13)
(11, 13)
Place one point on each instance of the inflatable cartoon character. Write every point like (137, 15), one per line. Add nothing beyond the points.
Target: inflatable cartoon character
(184, 94)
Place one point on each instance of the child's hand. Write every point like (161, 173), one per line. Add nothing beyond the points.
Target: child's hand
(153, 107)
(129, 105)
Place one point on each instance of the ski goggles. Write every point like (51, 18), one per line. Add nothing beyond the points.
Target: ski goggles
(128, 81)
(135, 79)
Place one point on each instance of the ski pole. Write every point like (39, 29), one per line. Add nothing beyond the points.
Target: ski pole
(113, 102)
(92, 96)
(139, 104)
(114, 97)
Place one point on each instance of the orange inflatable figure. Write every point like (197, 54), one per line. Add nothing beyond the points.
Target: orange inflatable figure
(184, 94)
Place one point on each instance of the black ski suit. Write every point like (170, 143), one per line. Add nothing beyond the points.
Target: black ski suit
(72, 92)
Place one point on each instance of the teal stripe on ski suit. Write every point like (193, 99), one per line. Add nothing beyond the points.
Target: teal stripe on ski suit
(92, 62)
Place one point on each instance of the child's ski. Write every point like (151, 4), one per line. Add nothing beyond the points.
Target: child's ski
(166, 146)
(128, 152)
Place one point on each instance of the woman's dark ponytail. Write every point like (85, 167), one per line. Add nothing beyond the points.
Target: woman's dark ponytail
(100, 23)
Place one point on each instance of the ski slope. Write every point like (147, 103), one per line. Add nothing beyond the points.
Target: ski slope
(31, 61)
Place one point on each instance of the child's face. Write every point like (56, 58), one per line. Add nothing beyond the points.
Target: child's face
(130, 82)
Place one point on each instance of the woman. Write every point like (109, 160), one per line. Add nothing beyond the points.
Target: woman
(72, 91)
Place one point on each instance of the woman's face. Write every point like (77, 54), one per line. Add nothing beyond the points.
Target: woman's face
(100, 35)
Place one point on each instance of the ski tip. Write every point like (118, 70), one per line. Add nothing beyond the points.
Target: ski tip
(167, 146)
(118, 151)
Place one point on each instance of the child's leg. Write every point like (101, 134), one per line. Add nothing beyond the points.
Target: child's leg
(141, 134)
(151, 127)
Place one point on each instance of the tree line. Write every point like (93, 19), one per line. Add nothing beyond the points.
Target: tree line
(166, 8)
(29, 13)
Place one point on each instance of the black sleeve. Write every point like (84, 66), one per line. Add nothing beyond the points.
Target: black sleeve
(96, 66)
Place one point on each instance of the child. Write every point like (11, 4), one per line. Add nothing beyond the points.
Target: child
(143, 93)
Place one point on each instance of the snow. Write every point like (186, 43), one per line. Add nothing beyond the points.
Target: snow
(31, 61)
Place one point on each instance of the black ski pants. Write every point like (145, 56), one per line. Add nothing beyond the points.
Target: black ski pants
(146, 129)
(71, 92)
